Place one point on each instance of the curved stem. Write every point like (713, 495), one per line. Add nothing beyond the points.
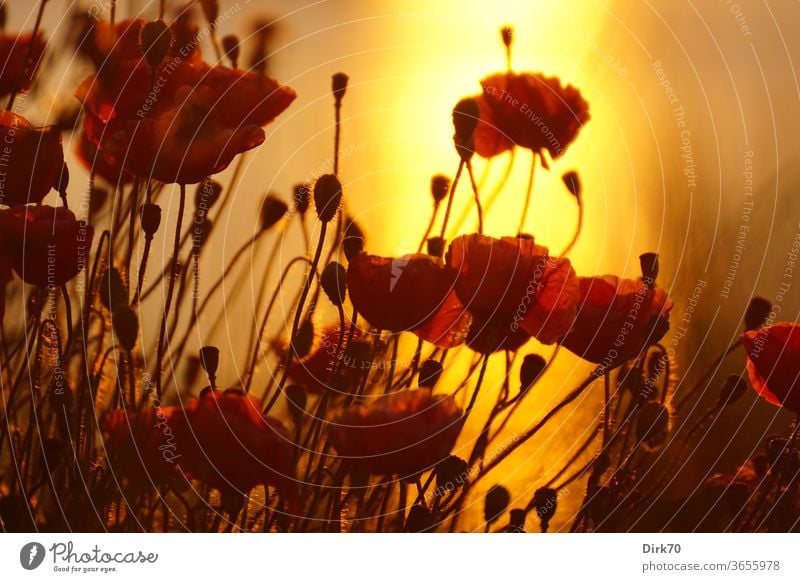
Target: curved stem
(450, 197)
(528, 195)
(477, 197)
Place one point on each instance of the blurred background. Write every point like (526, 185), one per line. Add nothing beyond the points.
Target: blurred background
(691, 152)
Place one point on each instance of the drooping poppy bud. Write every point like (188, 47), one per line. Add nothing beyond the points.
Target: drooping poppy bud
(339, 86)
(151, 218)
(302, 198)
(758, 311)
(303, 339)
(327, 196)
(440, 188)
(230, 44)
(115, 292)
(466, 115)
(429, 373)
(532, 367)
(334, 282)
(451, 473)
(649, 265)
(495, 503)
(435, 246)
(652, 424)
(545, 501)
(155, 41)
(573, 183)
(732, 389)
(209, 359)
(272, 211)
(126, 326)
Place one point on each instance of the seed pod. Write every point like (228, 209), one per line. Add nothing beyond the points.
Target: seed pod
(652, 424)
(451, 473)
(436, 246)
(440, 188)
(230, 44)
(572, 182)
(516, 521)
(495, 503)
(210, 11)
(206, 195)
(532, 367)
(507, 35)
(418, 520)
(649, 265)
(155, 41)
(732, 389)
(301, 343)
(545, 501)
(126, 326)
(297, 398)
(352, 245)
(327, 196)
(466, 115)
(334, 282)
(150, 216)
(115, 292)
(209, 359)
(339, 86)
(302, 198)
(758, 311)
(272, 211)
(429, 373)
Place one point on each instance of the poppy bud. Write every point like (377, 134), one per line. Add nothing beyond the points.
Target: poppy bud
(652, 424)
(466, 115)
(230, 44)
(151, 218)
(333, 281)
(451, 473)
(733, 389)
(297, 398)
(351, 228)
(62, 181)
(516, 521)
(352, 245)
(649, 265)
(272, 211)
(207, 193)
(126, 326)
(436, 246)
(154, 42)
(210, 10)
(429, 373)
(115, 290)
(339, 86)
(327, 196)
(545, 501)
(440, 188)
(758, 311)
(209, 359)
(507, 34)
(303, 339)
(302, 197)
(572, 182)
(532, 367)
(418, 520)
(495, 503)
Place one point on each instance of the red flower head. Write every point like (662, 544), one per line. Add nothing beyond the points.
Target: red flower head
(14, 51)
(220, 439)
(191, 124)
(617, 319)
(773, 363)
(404, 433)
(32, 158)
(313, 371)
(106, 167)
(512, 284)
(528, 110)
(412, 293)
(45, 245)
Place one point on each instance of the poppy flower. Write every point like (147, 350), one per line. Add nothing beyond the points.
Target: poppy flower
(190, 124)
(109, 169)
(220, 439)
(31, 158)
(404, 433)
(45, 245)
(411, 293)
(14, 53)
(773, 363)
(617, 319)
(528, 110)
(313, 371)
(512, 284)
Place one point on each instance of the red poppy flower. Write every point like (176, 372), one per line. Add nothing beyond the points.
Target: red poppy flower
(617, 319)
(412, 293)
(14, 52)
(512, 283)
(106, 167)
(31, 158)
(45, 245)
(404, 433)
(313, 371)
(773, 363)
(220, 439)
(528, 110)
(190, 124)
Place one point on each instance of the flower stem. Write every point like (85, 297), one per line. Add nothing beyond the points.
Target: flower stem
(451, 196)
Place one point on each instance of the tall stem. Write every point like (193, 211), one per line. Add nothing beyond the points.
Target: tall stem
(528, 195)
(477, 197)
(450, 197)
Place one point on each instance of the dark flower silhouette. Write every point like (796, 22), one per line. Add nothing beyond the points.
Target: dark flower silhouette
(528, 110)
(403, 433)
(617, 319)
(412, 293)
(773, 363)
(19, 60)
(45, 245)
(33, 159)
